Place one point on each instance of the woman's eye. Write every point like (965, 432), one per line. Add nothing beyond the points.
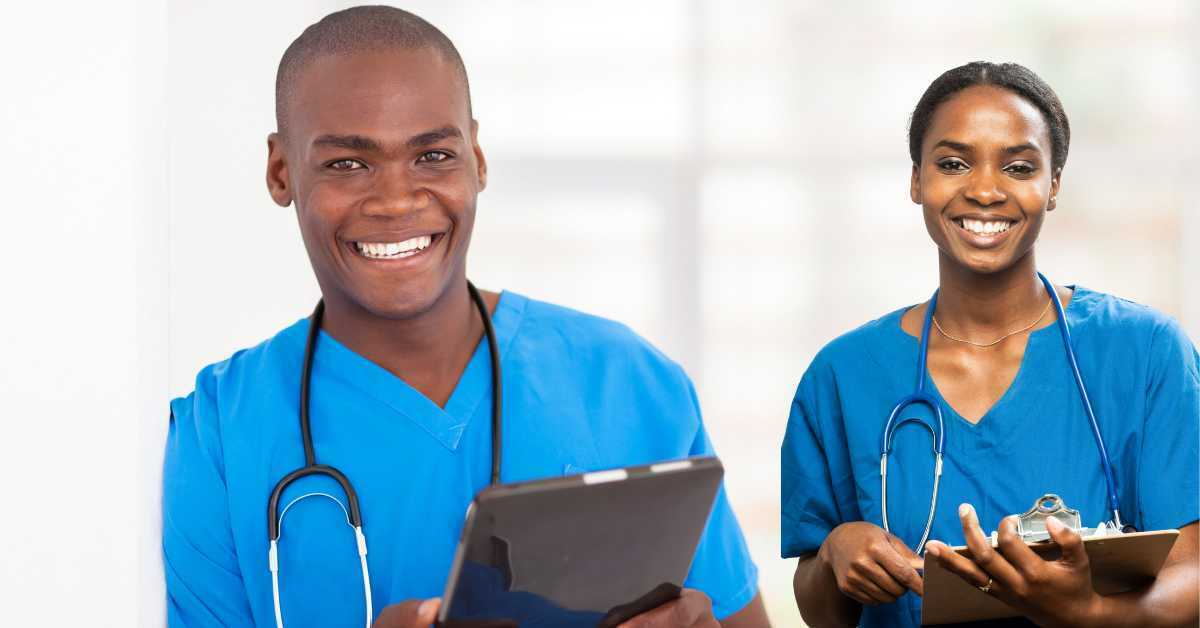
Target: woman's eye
(346, 164)
(952, 165)
(1020, 168)
(433, 156)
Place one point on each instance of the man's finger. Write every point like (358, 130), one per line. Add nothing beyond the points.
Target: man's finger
(410, 614)
(687, 610)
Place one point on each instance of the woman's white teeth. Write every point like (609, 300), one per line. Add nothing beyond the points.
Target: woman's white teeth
(390, 250)
(985, 227)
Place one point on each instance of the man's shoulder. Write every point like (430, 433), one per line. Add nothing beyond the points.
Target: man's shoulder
(584, 335)
(255, 366)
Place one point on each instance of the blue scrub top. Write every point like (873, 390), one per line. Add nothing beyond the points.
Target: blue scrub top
(1141, 373)
(580, 393)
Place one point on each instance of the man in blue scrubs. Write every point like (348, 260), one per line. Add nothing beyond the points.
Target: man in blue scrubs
(376, 147)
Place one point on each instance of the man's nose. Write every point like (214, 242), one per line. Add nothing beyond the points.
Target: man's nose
(394, 192)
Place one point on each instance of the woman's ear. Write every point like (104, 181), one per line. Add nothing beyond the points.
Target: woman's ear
(914, 189)
(1055, 183)
(277, 171)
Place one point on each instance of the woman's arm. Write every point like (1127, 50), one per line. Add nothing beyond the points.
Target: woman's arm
(1173, 599)
(820, 601)
(858, 563)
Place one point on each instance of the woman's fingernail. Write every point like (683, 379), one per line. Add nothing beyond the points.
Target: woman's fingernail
(1053, 525)
(965, 510)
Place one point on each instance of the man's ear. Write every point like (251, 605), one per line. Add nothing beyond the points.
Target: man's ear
(1055, 185)
(277, 171)
(914, 186)
(480, 160)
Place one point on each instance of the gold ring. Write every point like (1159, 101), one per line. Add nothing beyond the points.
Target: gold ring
(987, 588)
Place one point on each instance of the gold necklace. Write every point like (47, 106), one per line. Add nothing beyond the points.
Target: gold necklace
(997, 341)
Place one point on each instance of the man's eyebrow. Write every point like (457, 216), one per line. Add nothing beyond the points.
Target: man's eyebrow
(350, 142)
(433, 137)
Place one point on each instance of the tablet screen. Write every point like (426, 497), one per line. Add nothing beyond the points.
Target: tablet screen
(587, 550)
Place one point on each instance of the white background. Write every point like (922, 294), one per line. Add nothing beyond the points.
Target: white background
(729, 178)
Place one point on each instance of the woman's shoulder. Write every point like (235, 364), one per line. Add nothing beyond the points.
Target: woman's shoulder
(1101, 311)
(874, 341)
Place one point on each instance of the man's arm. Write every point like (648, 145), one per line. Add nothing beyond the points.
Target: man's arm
(204, 581)
(752, 615)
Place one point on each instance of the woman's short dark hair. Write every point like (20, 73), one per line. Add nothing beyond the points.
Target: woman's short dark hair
(1013, 77)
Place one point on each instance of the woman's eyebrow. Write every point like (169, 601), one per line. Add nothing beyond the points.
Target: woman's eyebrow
(1020, 148)
(952, 145)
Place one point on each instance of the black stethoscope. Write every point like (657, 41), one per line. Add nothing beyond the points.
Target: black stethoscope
(353, 514)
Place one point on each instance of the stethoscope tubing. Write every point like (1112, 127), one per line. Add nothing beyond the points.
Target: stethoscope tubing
(311, 467)
(938, 435)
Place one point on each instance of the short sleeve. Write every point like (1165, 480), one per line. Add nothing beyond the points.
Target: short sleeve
(204, 582)
(722, 568)
(1169, 464)
(808, 500)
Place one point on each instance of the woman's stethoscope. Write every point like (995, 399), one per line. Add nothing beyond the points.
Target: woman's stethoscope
(920, 397)
(353, 516)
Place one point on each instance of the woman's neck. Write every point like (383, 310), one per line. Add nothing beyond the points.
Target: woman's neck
(986, 305)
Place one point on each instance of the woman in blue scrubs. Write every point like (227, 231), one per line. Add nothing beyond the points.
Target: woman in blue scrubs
(988, 143)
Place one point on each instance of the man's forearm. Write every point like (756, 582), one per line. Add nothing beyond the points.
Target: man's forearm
(821, 602)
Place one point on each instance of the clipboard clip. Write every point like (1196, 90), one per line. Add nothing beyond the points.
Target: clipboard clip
(1031, 525)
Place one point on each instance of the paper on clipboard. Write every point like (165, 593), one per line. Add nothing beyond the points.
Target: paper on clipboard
(1119, 563)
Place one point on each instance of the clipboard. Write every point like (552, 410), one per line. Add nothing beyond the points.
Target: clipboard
(1119, 562)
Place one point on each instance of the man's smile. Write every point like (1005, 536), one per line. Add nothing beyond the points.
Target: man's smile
(386, 248)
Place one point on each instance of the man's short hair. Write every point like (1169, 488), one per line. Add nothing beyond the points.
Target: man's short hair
(360, 29)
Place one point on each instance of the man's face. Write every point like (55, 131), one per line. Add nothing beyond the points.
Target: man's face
(380, 157)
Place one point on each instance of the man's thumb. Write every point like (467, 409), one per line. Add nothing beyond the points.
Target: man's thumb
(410, 614)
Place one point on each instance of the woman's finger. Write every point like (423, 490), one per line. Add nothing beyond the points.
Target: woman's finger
(1016, 551)
(984, 555)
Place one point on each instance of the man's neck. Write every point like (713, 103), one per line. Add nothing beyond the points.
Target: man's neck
(429, 351)
(978, 305)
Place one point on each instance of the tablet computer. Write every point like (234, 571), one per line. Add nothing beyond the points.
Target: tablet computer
(593, 549)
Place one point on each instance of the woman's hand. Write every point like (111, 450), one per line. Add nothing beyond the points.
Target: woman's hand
(692, 609)
(870, 565)
(1050, 592)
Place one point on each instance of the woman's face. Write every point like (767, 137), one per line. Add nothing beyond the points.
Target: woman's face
(985, 181)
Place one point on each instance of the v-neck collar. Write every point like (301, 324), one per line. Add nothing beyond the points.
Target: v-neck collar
(1034, 350)
(333, 360)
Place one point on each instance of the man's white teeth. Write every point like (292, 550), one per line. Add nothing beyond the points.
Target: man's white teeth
(985, 227)
(392, 250)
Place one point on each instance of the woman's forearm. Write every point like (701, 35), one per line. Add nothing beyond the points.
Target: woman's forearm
(1173, 599)
(820, 601)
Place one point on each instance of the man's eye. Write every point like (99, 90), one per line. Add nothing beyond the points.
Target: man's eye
(952, 165)
(345, 164)
(1021, 168)
(433, 156)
